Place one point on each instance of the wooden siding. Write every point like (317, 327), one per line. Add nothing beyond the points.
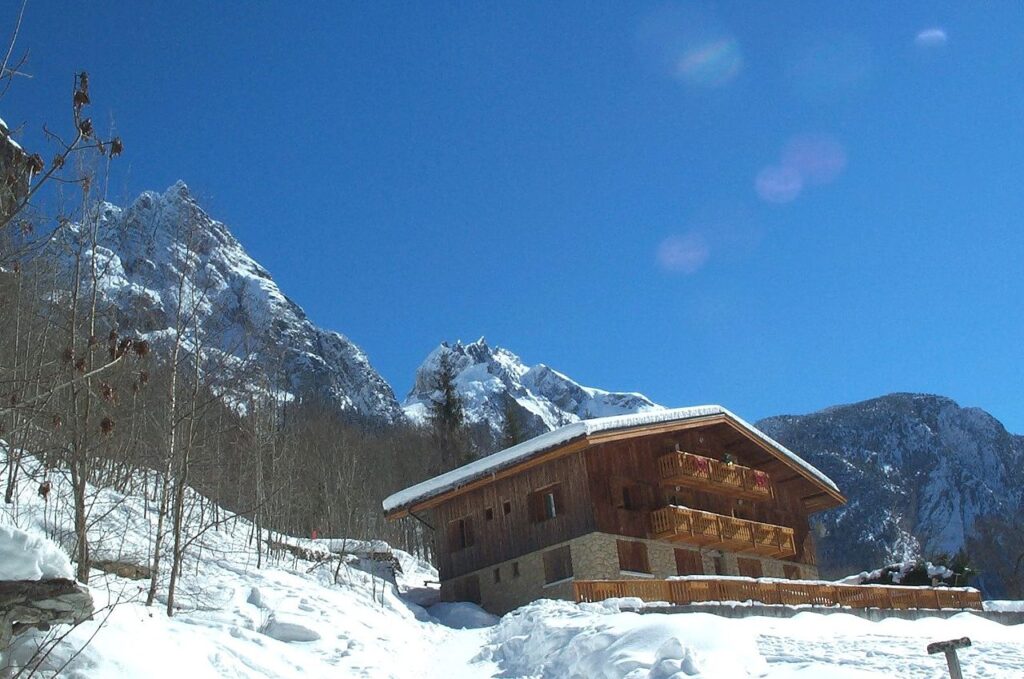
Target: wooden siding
(633, 463)
(507, 536)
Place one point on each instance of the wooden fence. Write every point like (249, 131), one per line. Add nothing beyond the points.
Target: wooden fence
(770, 591)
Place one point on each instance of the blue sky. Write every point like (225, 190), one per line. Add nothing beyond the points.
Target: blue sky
(773, 206)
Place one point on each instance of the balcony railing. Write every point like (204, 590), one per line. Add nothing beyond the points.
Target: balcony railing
(695, 527)
(685, 591)
(697, 471)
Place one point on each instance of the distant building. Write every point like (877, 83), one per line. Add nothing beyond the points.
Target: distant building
(675, 492)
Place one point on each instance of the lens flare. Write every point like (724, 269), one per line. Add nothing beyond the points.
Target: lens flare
(778, 184)
(683, 254)
(817, 158)
(931, 37)
(711, 64)
(688, 42)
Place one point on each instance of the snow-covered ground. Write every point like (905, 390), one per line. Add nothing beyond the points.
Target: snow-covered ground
(561, 639)
(290, 618)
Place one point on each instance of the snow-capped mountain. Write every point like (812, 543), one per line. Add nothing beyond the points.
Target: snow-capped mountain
(164, 249)
(494, 381)
(918, 471)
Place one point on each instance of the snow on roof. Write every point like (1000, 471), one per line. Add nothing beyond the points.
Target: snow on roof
(495, 462)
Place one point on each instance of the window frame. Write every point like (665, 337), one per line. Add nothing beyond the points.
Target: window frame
(460, 534)
(546, 503)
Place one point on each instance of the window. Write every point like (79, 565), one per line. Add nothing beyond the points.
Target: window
(489, 514)
(750, 568)
(633, 556)
(506, 506)
(515, 569)
(719, 566)
(550, 511)
(497, 575)
(546, 503)
(460, 534)
(689, 562)
(791, 571)
(557, 564)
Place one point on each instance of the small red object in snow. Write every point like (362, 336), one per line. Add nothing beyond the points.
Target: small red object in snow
(314, 533)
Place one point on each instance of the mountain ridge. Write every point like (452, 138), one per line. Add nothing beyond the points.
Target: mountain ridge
(492, 380)
(919, 471)
(164, 253)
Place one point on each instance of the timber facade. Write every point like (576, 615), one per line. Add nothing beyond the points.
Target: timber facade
(700, 494)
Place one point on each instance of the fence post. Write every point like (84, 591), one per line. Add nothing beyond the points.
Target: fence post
(949, 648)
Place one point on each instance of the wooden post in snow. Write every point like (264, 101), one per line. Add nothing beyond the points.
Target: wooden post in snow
(949, 648)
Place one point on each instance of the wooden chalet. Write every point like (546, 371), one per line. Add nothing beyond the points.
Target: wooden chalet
(690, 491)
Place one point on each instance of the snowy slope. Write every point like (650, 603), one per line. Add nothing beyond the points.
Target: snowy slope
(288, 618)
(489, 378)
(918, 470)
(242, 312)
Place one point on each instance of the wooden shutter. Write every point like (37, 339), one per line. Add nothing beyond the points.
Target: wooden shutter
(535, 505)
(750, 568)
(615, 487)
(689, 562)
(633, 556)
(453, 535)
(557, 564)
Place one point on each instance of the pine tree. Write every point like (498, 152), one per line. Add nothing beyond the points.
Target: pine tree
(511, 426)
(446, 412)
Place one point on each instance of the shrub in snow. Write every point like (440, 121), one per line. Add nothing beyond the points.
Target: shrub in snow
(915, 573)
(25, 556)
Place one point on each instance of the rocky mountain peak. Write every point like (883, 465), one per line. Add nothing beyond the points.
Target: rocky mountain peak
(494, 381)
(919, 470)
(164, 253)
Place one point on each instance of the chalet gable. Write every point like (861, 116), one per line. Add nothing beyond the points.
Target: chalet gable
(816, 489)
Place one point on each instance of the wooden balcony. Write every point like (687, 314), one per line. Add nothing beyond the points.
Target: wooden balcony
(705, 473)
(692, 526)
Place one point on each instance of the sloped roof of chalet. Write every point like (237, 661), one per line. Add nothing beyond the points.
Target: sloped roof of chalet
(521, 452)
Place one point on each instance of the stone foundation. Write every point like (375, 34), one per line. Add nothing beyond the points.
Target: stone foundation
(595, 557)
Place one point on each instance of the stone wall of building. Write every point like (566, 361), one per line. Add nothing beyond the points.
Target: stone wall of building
(510, 584)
